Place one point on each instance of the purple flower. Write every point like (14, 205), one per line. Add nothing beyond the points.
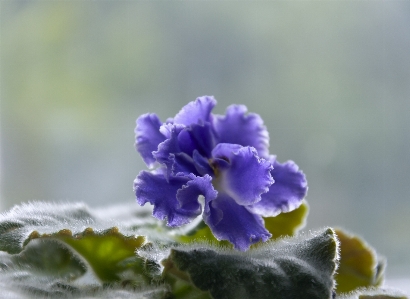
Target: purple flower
(223, 158)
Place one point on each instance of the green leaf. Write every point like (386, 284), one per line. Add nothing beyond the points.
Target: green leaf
(41, 258)
(201, 233)
(22, 277)
(17, 224)
(301, 267)
(49, 258)
(108, 253)
(359, 265)
(287, 224)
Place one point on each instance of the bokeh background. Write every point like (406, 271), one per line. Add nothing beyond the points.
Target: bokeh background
(330, 79)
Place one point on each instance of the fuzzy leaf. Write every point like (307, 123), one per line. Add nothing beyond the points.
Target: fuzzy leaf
(109, 253)
(287, 224)
(49, 258)
(301, 267)
(17, 224)
(40, 258)
(22, 278)
(359, 266)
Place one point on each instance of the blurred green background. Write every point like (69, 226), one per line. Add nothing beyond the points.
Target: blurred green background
(330, 79)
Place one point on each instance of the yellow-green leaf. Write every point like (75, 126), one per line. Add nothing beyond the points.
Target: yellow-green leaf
(287, 224)
(201, 233)
(359, 266)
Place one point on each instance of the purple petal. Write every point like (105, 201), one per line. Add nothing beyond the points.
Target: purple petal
(188, 195)
(240, 128)
(247, 177)
(148, 136)
(196, 112)
(225, 150)
(286, 193)
(182, 164)
(197, 137)
(202, 164)
(168, 146)
(169, 152)
(230, 221)
(162, 193)
(167, 129)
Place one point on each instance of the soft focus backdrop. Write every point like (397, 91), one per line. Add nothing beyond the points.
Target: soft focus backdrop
(330, 79)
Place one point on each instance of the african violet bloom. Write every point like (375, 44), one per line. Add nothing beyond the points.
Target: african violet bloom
(225, 159)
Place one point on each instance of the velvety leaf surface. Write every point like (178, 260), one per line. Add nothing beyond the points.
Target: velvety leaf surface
(301, 267)
(182, 289)
(36, 237)
(21, 277)
(68, 251)
(359, 266)
(49, 258)
(41, 258)
(17, 224)
(108, 253)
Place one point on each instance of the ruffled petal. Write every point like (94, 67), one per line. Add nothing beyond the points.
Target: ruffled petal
(195, 112)
(247, 176)
(285, 194)
(225, 151)
(202, 164)
(169, 152)
(230, 221)
(148, 136)
(197, 137)
(188, 194)
(237, 127)
(162, 193)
